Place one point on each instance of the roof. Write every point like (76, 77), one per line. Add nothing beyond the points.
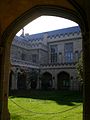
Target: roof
(64, 31)
(54, 33)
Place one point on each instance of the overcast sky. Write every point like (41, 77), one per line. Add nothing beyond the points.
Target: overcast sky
(47, 23)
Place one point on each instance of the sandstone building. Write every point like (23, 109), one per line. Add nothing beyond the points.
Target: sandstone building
(14, 15)
(46, 60)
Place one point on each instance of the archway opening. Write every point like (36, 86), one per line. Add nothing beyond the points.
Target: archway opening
(46, 81)
(63, 81)
(21, 80)
(61, 57)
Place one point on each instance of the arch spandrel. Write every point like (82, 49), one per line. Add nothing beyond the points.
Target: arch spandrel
(11, 10)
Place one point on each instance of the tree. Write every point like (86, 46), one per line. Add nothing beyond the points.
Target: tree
(79, 67)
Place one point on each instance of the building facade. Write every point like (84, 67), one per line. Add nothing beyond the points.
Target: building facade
(46, 60)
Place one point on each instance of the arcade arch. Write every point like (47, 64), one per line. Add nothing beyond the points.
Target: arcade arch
(63, 81)
(46, 81)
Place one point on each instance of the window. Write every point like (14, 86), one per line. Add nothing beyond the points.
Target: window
(54, 50)
(23, 56)
(34, 58)
(68, 52)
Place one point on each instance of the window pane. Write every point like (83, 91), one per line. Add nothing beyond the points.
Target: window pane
(34, 58)
(54, 50)
(68, 52)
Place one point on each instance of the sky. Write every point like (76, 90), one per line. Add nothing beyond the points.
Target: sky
(46, 23)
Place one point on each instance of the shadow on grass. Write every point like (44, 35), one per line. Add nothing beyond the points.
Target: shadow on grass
(61, 97)
(15, 117)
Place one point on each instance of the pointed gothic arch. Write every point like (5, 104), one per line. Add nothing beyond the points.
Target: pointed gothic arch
(63, 81)
(46, 81)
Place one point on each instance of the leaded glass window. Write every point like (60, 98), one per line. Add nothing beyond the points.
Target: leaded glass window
(23, 56)
(54, 50)
(68, 52)
(34, 58)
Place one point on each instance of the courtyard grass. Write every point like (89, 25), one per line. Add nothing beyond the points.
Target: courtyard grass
(45, 105)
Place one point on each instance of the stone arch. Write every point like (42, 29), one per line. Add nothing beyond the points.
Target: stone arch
(25, 18)
(63, 81)
(21, 80)
(46, 81)
(33, 79)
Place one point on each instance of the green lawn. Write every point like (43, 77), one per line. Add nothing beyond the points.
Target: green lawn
(45, 105)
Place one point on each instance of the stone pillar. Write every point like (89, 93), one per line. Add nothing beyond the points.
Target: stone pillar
(1, 104)
(71, 83)
(38, 83)
(86, 92)
(4, 83)
(53, 82)
(55, 86)
(14, 82)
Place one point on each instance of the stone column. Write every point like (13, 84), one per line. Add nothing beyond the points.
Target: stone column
(71, 82)
(38, 80)
(38, 83)
(55, 82)
(4, 83)
(14, 81)
(86, 92)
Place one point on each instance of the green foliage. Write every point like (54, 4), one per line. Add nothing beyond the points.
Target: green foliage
(79, 67)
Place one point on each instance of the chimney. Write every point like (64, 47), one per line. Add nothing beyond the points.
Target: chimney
(22, 32)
